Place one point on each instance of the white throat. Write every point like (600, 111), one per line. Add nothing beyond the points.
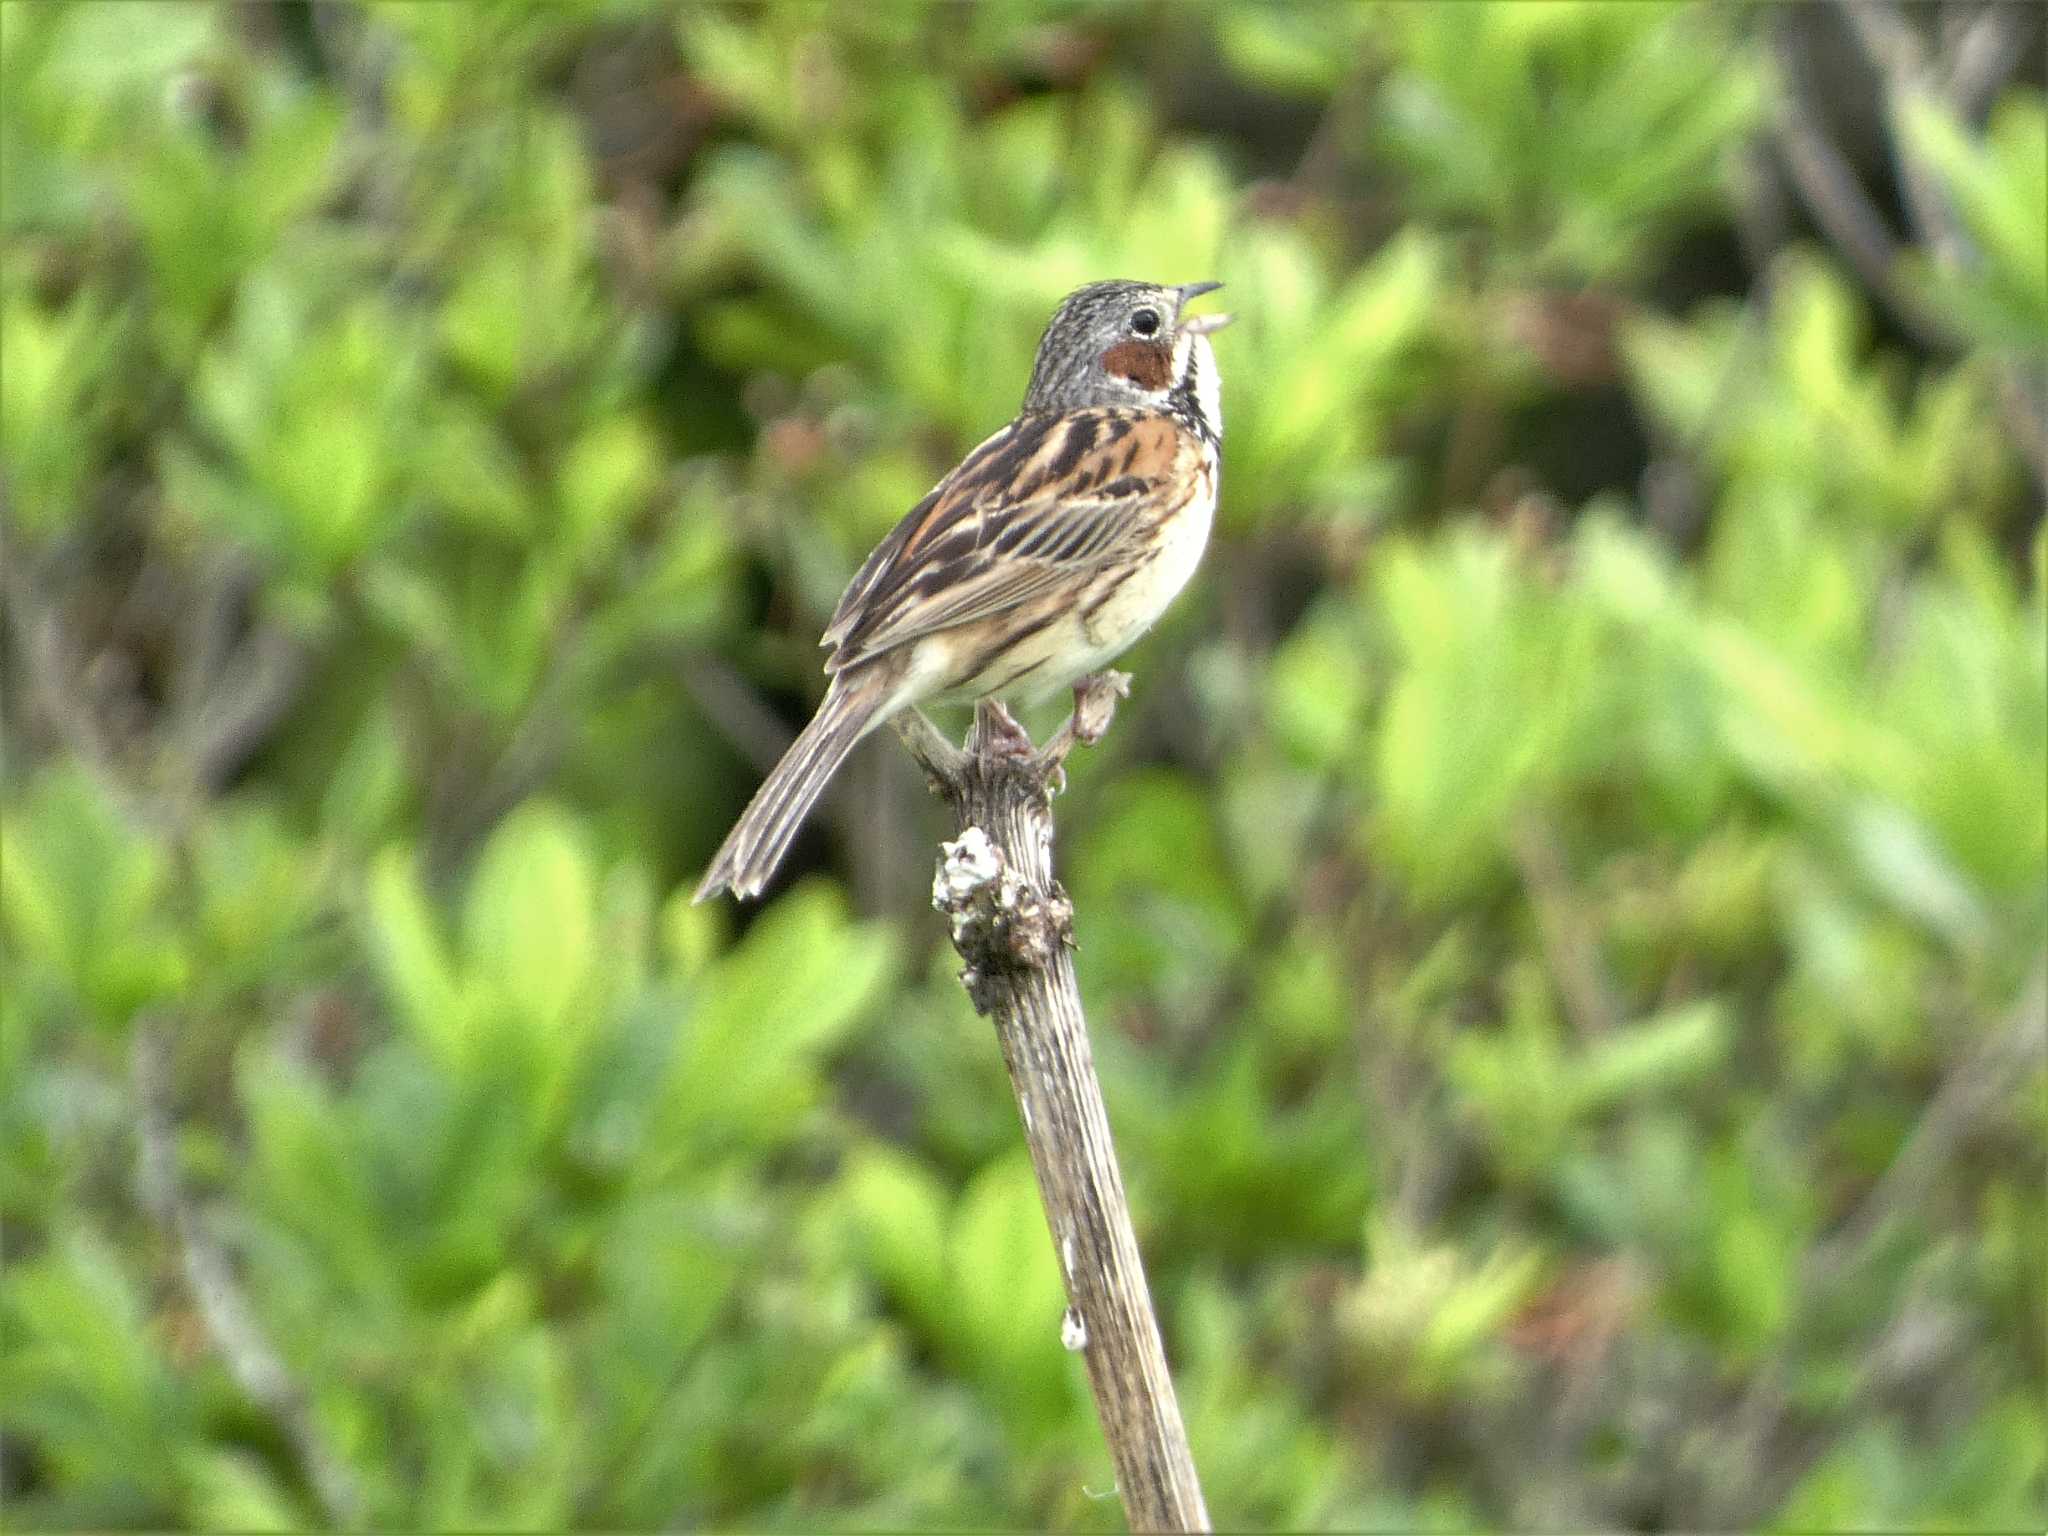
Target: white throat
(1207, 381)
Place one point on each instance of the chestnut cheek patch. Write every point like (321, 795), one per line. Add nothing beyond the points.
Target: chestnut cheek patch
(1146, 364)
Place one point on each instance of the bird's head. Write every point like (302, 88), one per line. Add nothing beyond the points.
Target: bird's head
(1125, 343)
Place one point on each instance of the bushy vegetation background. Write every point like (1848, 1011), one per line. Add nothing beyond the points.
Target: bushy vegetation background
(1562, 914)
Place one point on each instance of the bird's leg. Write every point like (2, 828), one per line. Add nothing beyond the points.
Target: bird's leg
(1095, 699)
(996, 730)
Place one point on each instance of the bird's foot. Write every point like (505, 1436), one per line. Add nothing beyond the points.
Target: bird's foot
(1095, 699)
(997, 731)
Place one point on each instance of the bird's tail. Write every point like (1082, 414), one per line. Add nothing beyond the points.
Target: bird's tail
(765, 829)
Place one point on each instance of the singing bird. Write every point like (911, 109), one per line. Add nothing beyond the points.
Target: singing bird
(1047, 552)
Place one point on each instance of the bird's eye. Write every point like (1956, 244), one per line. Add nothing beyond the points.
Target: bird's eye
(1146, 322)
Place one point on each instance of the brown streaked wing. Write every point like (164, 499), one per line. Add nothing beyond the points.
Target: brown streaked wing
(942, 505)
(1047, 501)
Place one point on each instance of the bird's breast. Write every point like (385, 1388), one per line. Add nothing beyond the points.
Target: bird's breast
(1032, 651)
(1127, 602)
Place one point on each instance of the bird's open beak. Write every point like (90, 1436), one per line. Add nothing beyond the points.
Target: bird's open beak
(1201, 325)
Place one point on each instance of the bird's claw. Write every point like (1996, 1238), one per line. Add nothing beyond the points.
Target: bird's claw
(999, 731)
(1095, 698)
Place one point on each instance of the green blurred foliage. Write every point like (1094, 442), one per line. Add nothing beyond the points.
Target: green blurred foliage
(1562, 916)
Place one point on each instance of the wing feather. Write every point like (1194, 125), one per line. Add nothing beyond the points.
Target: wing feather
(1047, 501)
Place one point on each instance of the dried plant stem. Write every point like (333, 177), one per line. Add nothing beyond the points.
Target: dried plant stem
(1013, 926)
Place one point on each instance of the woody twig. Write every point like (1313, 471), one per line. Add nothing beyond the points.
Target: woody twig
(1014, 928)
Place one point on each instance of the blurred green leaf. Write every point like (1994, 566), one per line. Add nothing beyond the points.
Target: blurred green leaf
(901, 1214)
(1571, 128)
(1497, 697)
(746, 1065)
(1005, 1298)
(2000, 190)
(82, 889)
(233, 1491)
(82, 1376)
(1303, 48)
(1651, 1057)
(413, 957)
(529, 924)
(56, 394)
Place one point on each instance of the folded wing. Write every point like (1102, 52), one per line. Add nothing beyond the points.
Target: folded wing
(1050, 500)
